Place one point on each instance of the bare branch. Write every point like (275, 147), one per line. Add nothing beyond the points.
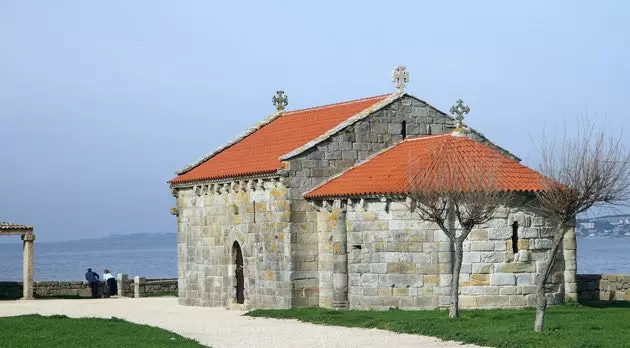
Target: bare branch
(582, 172)
(445, 181)
(590, 170)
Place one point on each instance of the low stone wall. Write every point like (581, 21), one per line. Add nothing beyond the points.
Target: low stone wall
(43, 289)
(50, 289)
(64, 288)
(603, 287)
(155, 287)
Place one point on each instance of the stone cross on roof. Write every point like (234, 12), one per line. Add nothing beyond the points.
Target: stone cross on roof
(459, 110)
(280, 100)
(400, 77)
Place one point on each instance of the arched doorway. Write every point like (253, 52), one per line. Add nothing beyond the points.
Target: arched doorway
(240, 278)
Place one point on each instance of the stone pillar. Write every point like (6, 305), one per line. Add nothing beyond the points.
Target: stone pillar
(570, 265)
(324, 258)
(340, 255)
(121, 280)
(27, 249)
(137, 282)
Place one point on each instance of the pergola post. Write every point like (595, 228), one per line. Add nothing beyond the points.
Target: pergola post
(27, 249)
(6, 229)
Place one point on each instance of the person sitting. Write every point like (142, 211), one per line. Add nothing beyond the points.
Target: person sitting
(112, 288)
(92, 278)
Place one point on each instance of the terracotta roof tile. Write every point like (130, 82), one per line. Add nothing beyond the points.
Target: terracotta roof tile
(259, 152)
(387, 172)
(12, 226)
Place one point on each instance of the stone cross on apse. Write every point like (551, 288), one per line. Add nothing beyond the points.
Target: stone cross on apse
(400, 76)
(459, 110)
(280, 100)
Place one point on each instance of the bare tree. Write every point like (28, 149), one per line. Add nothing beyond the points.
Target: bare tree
(457, 195)
(586, 171)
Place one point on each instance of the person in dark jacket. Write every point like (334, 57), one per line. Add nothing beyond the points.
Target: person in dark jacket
(92, 278)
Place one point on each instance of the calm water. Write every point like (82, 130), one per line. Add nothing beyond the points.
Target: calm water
(603, 255)
(153, 257)
(158, 259)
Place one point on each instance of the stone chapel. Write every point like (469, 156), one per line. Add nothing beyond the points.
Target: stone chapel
(308, 208)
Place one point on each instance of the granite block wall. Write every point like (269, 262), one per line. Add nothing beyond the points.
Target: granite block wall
(396, 260)
(255, 213)
(603, 287)
(43, 289)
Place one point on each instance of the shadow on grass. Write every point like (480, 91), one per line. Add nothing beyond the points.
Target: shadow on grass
(606, 304)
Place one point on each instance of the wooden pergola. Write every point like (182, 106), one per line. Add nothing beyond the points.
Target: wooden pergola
(28, 238)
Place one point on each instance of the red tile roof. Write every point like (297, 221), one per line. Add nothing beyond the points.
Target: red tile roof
(387, 172)
(259, 151)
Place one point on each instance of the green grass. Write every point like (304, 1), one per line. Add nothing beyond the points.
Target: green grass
(575, 326)
(60, 331)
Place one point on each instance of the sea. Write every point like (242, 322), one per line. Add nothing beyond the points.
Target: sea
(603, 255)
(155, 256)
(149, 255)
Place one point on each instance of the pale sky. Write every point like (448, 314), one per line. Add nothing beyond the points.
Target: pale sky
(101, 101)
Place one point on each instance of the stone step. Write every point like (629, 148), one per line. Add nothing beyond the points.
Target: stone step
(237, 306)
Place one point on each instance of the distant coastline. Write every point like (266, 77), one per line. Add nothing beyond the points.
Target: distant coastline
(604, 226)
(138, 239)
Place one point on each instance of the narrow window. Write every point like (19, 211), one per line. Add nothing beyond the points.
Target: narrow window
(515, 237)
(403, 131)
(254, 209)
(356, 247)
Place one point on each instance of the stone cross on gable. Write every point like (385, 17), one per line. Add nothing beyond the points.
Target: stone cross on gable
(459, 110)
(280, 100)
(400, 77)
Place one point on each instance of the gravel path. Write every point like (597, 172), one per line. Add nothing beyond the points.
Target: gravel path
(221, 328)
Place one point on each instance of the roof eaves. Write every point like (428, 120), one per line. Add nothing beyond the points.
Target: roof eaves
(226, 178)
(233, 141)
(11, 226)
(348, 122)
(484, 139)
(366, 194)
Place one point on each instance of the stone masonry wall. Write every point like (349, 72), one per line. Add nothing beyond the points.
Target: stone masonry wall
(212, 216)
(603, 287)
(42, 289)
(396, 260)
(357, 142)
(158, 287)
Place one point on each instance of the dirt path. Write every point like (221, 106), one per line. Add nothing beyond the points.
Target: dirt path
(222, 328)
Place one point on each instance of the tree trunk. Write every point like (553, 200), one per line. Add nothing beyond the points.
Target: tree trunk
(541, 305)
(457, 266)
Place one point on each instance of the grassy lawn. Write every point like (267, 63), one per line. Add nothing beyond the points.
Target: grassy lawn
(583, 326)
(61, 331)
